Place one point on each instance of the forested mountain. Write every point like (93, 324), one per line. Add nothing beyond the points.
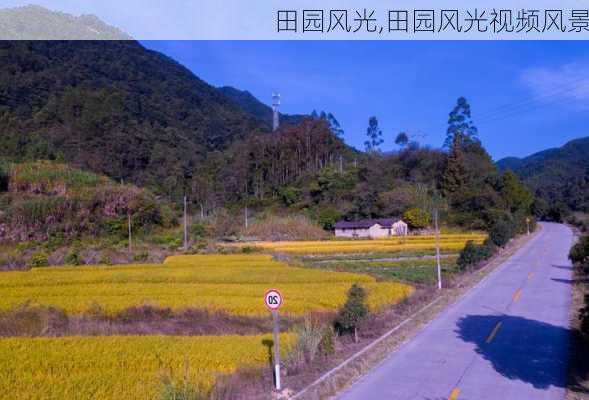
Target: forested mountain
(256, 108)
(115, 108)
(560, 175)
(137, 116)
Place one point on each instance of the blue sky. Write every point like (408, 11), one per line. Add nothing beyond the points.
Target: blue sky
(525, 96)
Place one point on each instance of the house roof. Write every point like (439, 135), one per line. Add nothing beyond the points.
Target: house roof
(366, 223)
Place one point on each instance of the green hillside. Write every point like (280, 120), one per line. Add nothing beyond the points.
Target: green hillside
(115, 108)
(44, 200)
(560, 175)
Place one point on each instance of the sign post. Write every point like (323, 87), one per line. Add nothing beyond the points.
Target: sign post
(273, 300)
(528, 224)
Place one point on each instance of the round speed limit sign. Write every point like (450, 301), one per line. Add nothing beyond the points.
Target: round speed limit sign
(273, 299)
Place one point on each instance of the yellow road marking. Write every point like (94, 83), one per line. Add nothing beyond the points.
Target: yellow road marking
(454, 394)
(530, 275)
(517, 295)
(494, 331)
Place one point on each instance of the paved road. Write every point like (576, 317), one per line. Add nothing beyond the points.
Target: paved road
(506, 339)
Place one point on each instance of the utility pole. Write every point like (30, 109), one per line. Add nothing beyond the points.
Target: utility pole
(129, 228)
(341, 164)
(438, 249)
(245, 216)
(528, 224)
(185, 224)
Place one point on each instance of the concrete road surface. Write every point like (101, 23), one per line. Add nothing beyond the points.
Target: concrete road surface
(506, 339)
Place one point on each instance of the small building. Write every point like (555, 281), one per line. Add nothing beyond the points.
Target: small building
(371, 228)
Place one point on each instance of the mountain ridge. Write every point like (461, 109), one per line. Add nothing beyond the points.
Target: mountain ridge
(559, 175)
(252, 105)
(34, 22)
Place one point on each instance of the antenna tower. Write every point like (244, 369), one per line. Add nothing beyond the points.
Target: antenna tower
(275, 107)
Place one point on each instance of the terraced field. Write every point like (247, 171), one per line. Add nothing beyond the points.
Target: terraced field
(115, 367)
(230, 283)
(449, 242)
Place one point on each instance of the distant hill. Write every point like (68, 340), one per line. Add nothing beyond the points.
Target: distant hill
(115, 108)
(35, 23)
(256, 108)
(558, 174)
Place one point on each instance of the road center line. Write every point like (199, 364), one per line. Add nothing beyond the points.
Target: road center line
(517, 295)
(494, 332)
(454, 394)
(530, 275)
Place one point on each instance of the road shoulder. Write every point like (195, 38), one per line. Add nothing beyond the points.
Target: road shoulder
(578, 373)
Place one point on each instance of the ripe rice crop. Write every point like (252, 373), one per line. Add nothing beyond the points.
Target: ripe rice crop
(448, 242)
(117, 367)
(231, 283)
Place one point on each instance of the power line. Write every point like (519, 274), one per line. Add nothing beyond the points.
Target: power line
(534, 100)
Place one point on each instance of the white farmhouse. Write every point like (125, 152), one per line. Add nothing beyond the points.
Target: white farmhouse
(371, 228)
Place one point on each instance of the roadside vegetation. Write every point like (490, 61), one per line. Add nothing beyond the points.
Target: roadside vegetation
(578, 385)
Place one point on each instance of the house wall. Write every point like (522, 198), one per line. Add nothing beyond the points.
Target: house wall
(400, 228)
(375, 231)
(351, 233)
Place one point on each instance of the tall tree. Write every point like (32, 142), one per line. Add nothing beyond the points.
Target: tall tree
(334, 125)
(515, 194)
(374, 135)
(402, 140)
(455, 175)
(460, 122)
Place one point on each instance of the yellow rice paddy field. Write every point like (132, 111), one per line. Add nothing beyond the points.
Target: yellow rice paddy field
(130, 367)
(230, 283)
(449, 242)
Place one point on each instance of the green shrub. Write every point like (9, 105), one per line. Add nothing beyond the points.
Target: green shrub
(289, 195)
(353, 311)
(38, 260)
(73, 256)
(473, 254)
(250, 249)
(328, 217)
(579, 253)
(416, 218)
(141, 256)
(198, 231)
(502, 232)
